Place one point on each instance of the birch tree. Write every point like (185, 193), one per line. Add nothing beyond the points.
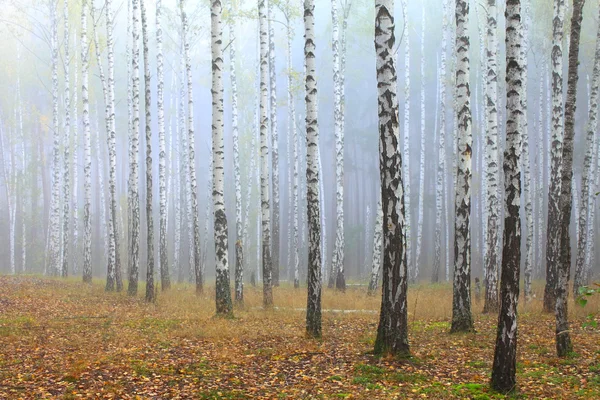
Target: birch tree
(165, 280)
(587, 178)
(223, 294)
(462, 319)
(492, 156)
(420, 216)
(274, 146)
(267, 263)
(313, 307)
(563, 268)
(239, 242)
(150, 294)
(134, 201)
(87, 151)
(505, 354)
(66, 147)
(554, 234)
(392, 332)
(377, 244)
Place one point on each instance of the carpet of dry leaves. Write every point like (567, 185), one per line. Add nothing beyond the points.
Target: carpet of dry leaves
(66, 340)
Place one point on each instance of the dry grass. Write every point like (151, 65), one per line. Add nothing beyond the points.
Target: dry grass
(62, 338)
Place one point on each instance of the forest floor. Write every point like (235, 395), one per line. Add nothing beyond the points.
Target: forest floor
(63, 339)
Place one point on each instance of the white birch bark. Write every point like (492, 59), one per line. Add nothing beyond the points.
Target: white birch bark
(165, 280)
(275, 242)
(264, 156)
(338, 252)
(191, 143)
(587, 179)
(150, 293)
(313, 172)
(553, 236)
(406, 140)
(462, 319)
(505, 355)
(392, 333)
(239, 239)
(415, 274)
(491, 300)
(134, 200)
(55, 238)
(87, 148)
(377, 244)
(66, 219)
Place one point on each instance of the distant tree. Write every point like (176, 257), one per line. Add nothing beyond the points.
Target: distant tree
(313, 172)
(462, 319)
(267, 262)
(87, 148)
(377, 244)
(223, 294)
(392, 333)
(66, 237)
(505, 355)
(420, 212)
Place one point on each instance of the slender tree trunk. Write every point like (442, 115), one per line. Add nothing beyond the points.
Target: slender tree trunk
(491, 301)
(338, 251)
(462, 320)
(274, 147)
(563, 341)
(150, 293)
(420, 216)
(87, 148)
(192, 154)
(313, 307)
(587, 177)
(264, 157)
(377, 244)
(55, 202)
(134, 201)
(23, 175)
(75, 163)
(505, 355)
(239, 243)
(223, 294)
(406, 156)
(527, 182)
(66, 239)
(165, 280)
(554, 228)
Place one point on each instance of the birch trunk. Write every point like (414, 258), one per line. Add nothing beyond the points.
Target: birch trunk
(377, 244)
(313, 307)
(392, 333)
(264, 156)
(239, 242)
(150, 293)
(87, 148)
(527, 183)
(274, 147)
(338, 251)
(563, 340)
(165, 280)
(406, 157)
(23, 178)
(420, 218)
(462, 320)
(441, 161)
(491, 301)
(192, 154)
(223, 294)
(505, 355)
(66, 239)
(554, 228)
(134, 201)
(587, 176)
